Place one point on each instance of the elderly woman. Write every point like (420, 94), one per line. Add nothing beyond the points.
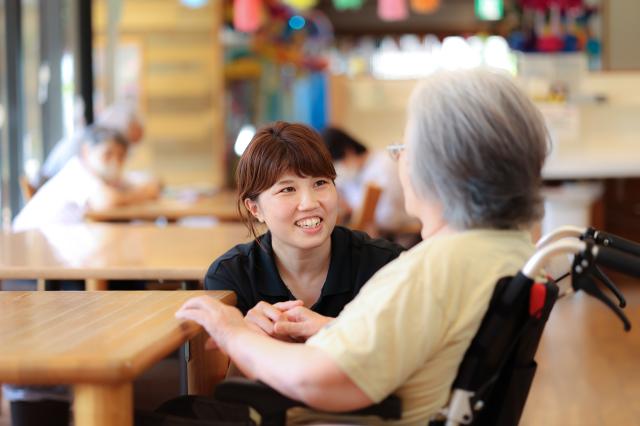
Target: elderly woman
(470, 169)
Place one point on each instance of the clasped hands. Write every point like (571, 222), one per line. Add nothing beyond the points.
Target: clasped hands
(289, 321)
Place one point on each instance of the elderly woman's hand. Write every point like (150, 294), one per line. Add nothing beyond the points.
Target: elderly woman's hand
(263, 316)
(218, 319)
(300, 323)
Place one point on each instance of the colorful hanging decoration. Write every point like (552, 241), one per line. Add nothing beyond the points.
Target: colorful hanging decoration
(301, 4)
(294, 38)
(348, 4)
(246, 15)
(546, 4)
(392, 10)
(425, 6)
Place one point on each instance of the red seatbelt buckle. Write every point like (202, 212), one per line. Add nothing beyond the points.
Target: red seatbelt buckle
(537, 297)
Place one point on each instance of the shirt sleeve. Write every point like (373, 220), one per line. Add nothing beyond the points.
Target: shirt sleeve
(387, 332)
(220, 277)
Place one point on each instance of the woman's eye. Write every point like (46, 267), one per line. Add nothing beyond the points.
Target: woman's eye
(287, 189)
(321, 182)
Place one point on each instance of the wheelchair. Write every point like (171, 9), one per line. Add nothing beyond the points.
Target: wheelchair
(496, 373)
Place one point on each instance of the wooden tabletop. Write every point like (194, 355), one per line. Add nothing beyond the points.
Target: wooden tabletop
(84, 337)
(222, 206)
(115, 251)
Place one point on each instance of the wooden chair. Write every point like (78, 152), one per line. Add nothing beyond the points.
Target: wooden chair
(364, 218)
(28, 190)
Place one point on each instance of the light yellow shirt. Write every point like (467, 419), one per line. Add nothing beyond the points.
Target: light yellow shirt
(409, 327)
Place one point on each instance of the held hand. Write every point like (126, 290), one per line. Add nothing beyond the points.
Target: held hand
(219, 320)
(263, 316)
(300, 323)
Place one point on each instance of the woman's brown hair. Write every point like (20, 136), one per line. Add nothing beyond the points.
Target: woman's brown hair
(274, 150)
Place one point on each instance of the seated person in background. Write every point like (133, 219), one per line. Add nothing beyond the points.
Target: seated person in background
(89, 180)
(471, 172)
(120, 117)
(303, 262)
(356, 166)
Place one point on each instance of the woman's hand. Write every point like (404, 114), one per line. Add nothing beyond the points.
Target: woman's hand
(300, 323)
(218, 319)
(263, 316)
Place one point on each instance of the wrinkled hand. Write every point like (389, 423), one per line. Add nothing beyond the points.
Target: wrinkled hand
(263, 316)
(219, 320)
(300, 323)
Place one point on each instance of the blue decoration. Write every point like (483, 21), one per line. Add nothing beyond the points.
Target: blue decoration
(297, 22)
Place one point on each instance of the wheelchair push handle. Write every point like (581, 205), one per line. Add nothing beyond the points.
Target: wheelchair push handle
(601, 238)
(606, 239)
(618, 260)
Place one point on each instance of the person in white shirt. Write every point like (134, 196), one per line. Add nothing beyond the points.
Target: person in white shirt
(121, 117)
(470, 170)
(356, 166)
(91, 179)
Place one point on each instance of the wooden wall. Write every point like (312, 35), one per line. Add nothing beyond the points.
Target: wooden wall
(181, 85)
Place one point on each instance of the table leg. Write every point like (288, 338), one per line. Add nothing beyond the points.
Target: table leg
(205, 367)
(103, 405)
(96, 285)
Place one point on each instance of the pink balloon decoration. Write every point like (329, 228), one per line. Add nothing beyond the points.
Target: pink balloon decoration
(392, 10)
(246, 15)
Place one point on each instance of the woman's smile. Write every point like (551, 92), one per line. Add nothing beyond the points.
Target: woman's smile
(309, 222)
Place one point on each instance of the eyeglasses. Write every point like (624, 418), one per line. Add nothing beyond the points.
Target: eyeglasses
(394, 150)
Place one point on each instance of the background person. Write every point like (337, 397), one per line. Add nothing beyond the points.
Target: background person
(120, 117)
(357, 166)
(91, 179)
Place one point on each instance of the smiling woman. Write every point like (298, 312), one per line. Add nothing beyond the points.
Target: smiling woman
(285, 180)
(300, 274)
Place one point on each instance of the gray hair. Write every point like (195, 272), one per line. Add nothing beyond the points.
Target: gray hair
(119, 116)
(478, 145)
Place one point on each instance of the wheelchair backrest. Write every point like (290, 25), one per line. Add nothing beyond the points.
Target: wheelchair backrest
(498, 367)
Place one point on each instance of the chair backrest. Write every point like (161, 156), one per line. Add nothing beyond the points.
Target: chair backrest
(365, 216)
(27, 189)
(497, 370)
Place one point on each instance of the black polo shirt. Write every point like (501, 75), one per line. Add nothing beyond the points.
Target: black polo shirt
(250, 271)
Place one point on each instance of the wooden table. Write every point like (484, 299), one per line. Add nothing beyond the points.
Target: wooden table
(98, 342)
(99, 251)
(222, 206)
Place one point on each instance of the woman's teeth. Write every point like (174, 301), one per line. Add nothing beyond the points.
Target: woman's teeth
(311, 222)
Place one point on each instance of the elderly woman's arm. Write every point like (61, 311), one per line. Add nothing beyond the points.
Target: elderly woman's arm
(298, 371)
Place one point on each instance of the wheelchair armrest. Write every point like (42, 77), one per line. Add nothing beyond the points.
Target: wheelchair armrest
(262, 398)
(269, 403)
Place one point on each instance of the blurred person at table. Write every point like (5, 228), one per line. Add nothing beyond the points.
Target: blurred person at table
(121, 117)
(90, 180)
(356, 166)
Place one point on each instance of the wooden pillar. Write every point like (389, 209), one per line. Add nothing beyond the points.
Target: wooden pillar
(103, 405)
(205, 368)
